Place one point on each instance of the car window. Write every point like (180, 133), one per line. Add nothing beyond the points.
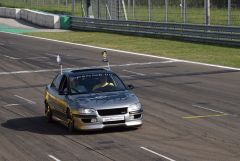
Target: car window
(94, 83)
(63, 85)
(56, 82)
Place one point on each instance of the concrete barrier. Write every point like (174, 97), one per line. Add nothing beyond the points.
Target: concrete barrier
(41, 18)
(10, 12)
(35, 17)
(2, 12)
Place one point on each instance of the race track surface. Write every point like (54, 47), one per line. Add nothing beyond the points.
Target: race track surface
(191, 112)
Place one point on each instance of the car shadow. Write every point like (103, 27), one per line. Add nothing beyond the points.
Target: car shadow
(39, 125)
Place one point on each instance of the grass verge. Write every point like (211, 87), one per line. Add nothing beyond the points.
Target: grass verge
(211, 54)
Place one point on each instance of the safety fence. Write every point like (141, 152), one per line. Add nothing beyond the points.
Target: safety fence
(188, 32)
(210, 12)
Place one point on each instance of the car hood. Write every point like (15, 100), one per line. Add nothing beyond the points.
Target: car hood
(105, 100)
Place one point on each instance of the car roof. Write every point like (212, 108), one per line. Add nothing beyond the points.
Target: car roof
(77, 72)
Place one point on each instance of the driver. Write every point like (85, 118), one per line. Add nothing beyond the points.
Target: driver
(103, 83)
(76, 86)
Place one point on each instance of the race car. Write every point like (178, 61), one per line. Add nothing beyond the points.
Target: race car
(91, 99)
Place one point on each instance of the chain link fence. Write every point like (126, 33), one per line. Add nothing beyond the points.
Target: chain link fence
(210, 12)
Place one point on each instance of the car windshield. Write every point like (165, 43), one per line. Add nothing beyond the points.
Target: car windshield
(95, 83)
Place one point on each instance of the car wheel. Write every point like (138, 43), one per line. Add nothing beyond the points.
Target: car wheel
(49, 114)
(70, 122)
(71, 125)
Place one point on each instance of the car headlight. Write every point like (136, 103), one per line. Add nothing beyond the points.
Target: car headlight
(86, 111)
(135, 107)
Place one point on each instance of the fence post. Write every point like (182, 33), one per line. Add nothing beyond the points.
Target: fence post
(149, 10)
(207, 12)
(184, 11)
(98, 9)
(129, 5)
(166, 10)
(229, 12)
(118, 11)
(134, 4)
(181, 5)
(73, 7)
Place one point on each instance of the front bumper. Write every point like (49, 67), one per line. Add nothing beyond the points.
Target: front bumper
(97, 122)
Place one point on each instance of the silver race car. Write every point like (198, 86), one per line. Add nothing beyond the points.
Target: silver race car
(91, 99)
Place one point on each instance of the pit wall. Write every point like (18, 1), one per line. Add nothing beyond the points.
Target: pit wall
(38, 18)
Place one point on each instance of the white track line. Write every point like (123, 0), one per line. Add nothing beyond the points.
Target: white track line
(160, 155)
(126, 52)
(54, 70)
(127, 76)
(40, 57)
(9, 57)
(29, 71)
(27, 100)
(129, 71)
(10, 105)
(54, 158)
(52, 55)
(209, 109)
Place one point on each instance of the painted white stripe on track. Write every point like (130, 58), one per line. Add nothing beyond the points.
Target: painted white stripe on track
(160, 155)
(54, 158)
(132, 72)
(209, 109)
(126, 52)
(40, 57)
(9, 57)
(10, 105)
(54, 70)
(25, 99)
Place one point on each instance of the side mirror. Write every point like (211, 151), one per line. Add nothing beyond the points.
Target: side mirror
(130, 86)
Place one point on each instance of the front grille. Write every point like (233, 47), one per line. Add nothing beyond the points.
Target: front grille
(115, 111)
(114, 122)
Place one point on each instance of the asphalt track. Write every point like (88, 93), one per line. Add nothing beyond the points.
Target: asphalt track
(191, 111)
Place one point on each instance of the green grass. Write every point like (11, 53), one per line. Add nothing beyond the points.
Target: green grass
(194, 15)
(174, 49)
(49, 6)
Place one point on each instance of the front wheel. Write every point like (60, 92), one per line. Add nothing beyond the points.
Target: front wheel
(71, 125)
(70, 122)
(48, 113)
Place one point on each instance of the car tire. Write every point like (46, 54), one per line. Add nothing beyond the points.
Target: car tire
(48, 114)
(70, 122)
(71, 125)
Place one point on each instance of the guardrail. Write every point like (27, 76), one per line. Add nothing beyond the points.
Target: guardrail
(197, 33)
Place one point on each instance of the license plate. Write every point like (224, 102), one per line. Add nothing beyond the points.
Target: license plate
(113, 118)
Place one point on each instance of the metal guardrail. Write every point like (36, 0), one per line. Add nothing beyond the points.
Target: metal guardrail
(197, 33)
